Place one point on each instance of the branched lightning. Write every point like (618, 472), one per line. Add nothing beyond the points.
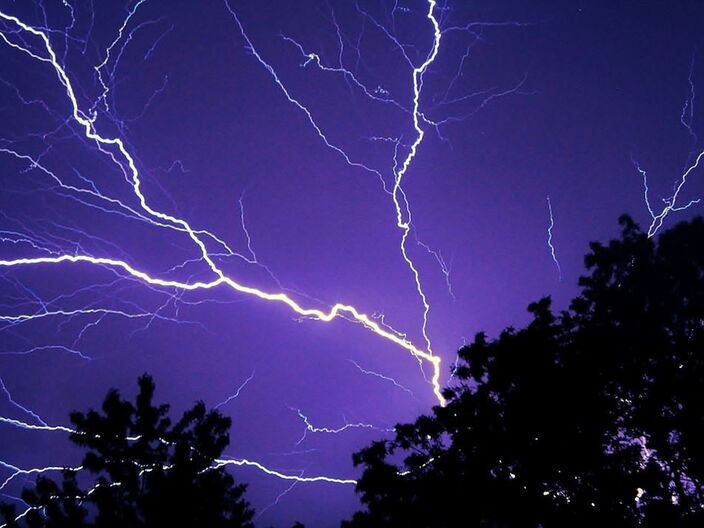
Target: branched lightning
(48, 252)
(20, 406)
(269, 68)
(109, 145)
(444, 267)
(400, 201)
(99, 67)
(218, 462)
(310, 428)
(671, 204)
(32, 471)
(377, 94)
(118, 153)
(313, 313)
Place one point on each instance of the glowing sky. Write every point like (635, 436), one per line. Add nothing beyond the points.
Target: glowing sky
(298, 211)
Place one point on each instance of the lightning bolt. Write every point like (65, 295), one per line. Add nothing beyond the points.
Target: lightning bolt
(687, 114)
(550, 244)
(278, 474)
(47, 347)
(310, 428)
(33, 471)
(670, 203)
(384, 377)
(444, 267)
(278, 498)
(19, 406)
(237, 393)
(99, 67)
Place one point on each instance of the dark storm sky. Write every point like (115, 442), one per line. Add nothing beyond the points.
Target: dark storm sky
(532, 99)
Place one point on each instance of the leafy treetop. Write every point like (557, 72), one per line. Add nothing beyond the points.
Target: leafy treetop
(590, 417)
(146, 471)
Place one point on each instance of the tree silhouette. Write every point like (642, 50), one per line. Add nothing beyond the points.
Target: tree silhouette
(590, 417)
(146, 471)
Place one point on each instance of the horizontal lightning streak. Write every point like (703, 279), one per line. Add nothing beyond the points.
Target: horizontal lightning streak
(335, 311)
(47, 347)
(284, 476)
(33, 427)
(218, 462)
(32, 471)
(310, 428)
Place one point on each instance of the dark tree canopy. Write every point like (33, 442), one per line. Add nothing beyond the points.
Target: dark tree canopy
(590, 417)
(146, 471)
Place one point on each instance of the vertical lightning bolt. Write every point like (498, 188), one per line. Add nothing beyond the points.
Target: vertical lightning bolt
(687, 114)
(550, 244)
(403, 211)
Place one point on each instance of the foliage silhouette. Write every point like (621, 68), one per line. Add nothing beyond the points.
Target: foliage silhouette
(147, 472)
(591, 417)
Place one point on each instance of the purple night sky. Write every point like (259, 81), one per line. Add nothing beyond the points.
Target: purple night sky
(277, 131)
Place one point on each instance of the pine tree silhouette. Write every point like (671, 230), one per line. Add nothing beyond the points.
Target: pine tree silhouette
(146, 472)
